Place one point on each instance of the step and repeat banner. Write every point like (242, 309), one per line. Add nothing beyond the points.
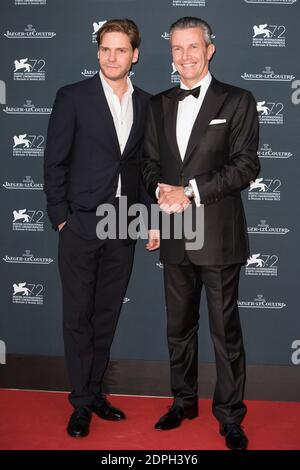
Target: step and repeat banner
(46, 44)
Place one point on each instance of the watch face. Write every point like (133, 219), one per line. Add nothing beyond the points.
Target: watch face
(188, 192)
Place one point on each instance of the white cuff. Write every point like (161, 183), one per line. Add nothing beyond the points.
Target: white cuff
(157, 192)
(196, 192)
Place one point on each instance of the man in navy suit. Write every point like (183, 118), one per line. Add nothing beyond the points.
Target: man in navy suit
(93, 157)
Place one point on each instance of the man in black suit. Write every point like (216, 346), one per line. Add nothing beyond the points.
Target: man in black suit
(200, 151)
(93, 157)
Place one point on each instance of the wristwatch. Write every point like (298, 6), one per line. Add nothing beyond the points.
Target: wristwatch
(188, 192)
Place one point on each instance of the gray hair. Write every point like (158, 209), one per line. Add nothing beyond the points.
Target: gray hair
(194, 22)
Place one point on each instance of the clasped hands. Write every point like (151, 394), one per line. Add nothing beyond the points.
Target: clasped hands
(172, 198)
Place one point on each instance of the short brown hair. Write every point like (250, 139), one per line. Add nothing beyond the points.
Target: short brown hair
(125, 26)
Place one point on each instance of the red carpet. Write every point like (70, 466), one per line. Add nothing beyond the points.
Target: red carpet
(37, 420)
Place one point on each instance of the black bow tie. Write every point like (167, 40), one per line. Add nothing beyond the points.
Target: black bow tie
(181, 94)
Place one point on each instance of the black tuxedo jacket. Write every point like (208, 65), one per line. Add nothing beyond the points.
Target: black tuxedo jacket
(221, 157)
(83, 158)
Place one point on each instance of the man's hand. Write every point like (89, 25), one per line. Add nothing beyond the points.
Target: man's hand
(153, 240)
(172, 198)
(61, 226)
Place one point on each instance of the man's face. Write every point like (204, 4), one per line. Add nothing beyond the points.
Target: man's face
(190, 54)
(116, 55)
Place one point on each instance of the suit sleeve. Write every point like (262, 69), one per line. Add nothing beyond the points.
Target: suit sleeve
(243, 165)
(151, 159)
(59, 142)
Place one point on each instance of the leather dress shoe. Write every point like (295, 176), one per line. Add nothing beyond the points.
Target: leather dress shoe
(235, 438)
(102, 408)
(79, 423)
(174, 418)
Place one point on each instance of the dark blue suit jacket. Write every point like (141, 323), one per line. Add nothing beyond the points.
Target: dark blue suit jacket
(83, 159)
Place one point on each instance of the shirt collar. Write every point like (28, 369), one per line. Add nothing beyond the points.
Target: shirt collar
(108, 88)
(204, 82)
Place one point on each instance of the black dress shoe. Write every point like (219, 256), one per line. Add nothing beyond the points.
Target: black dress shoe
(174, 418)
(102, 408)
(235, 438)
(79, 424)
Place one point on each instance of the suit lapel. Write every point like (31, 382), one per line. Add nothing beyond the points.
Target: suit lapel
(170, 105)
(102, 110)
(136, 118)
(214, 98)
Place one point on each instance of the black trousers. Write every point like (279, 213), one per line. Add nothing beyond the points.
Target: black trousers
(183, 285)
(94, 275)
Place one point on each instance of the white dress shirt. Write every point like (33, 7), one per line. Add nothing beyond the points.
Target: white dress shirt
(122, 114)
(187, 113)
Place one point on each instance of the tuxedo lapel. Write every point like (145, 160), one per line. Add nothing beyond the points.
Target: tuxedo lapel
(105, 122)
(214, 99)
(170, 108)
